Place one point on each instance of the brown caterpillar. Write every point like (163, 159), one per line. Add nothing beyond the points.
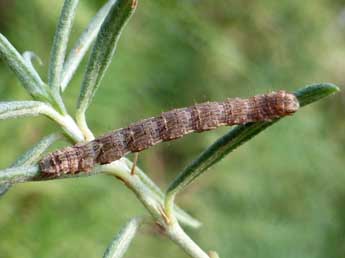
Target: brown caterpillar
(168, 126)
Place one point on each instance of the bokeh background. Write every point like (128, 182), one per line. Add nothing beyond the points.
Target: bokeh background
(280, 195)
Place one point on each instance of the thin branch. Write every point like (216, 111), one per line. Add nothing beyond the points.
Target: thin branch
(18, 174)
(29, 79)
(32, 173)
(155, 206)
(213, 254)
(177, 234)
(28, 158)
(182, 216)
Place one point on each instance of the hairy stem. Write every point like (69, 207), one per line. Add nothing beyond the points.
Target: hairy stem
(155, 206)
(177, 234)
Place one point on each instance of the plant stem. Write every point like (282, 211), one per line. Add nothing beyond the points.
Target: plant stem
(67, 123)
(81, 121)
(177, 234)
(183, 217)
(155, 206)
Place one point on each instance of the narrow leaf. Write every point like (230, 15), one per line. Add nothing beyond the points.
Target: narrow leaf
(34, 154)
(28, 57)
(58, 52)
(103, 51)
(14, 109)
(236, 137)
(30, 80)
(121, 242)
(83, 43)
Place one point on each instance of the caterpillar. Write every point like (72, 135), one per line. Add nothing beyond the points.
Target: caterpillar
(168, 126)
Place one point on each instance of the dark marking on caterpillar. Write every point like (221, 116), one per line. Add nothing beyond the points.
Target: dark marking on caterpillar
(168, 126)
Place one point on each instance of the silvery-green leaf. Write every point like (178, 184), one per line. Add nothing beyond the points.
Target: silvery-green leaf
(30, 80)
(28, 57)
(121, 242)
(83, 43)
(58, 52)
(103, 51)
(34, 154)
(14, 109)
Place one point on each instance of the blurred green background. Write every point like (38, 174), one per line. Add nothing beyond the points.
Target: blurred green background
(280, 195)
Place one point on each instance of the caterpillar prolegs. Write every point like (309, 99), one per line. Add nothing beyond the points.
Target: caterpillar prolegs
(168, 126)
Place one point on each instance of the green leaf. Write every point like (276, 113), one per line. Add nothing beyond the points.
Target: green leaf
(58, 52)
(34, 154)
(28, 57)
(14, 109)
(236, 137)
(83, 43)
(29, 79)
(121, 242)
(103, 52)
